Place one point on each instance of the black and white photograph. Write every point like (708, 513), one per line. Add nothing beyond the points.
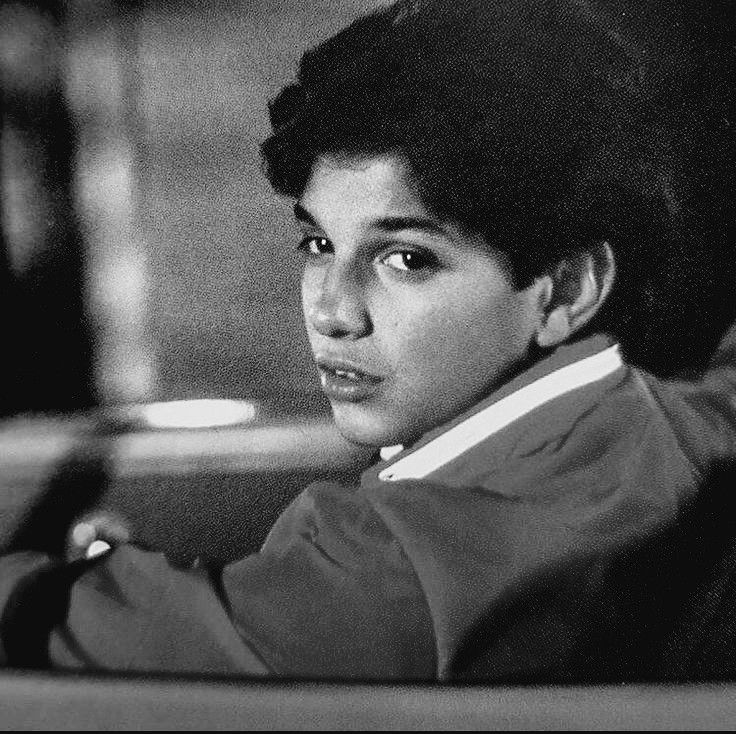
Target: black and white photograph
(369, 364)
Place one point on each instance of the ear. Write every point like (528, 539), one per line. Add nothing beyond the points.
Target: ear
(574, 293)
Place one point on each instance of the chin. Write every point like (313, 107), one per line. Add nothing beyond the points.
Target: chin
(366, 428)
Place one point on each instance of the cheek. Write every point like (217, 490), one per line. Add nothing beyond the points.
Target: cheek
(465, 346)
(309, 292)
(427, 345)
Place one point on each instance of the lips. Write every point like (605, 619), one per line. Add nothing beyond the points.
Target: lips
(345, 380)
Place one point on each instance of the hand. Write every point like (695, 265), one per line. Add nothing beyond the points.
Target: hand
(95, 534)
(78, 483)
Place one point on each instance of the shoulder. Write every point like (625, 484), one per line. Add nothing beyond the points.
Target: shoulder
(581, 416)
(702, 411)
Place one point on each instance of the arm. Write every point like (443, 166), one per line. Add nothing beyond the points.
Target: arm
(330, 595)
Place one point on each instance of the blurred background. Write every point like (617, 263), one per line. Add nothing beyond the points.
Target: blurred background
(144, 261)
(143, 254)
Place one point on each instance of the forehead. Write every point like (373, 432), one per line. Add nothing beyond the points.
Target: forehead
(361, 187)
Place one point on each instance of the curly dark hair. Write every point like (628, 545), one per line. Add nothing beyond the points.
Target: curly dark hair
(548, 126)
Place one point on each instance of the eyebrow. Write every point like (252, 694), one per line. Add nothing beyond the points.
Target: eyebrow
(303, 215)
(386, 224)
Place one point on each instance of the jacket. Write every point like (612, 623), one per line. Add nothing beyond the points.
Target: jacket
(484, 551)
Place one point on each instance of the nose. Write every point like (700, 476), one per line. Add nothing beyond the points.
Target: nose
(337, 304)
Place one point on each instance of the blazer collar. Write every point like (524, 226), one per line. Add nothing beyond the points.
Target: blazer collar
(569, 368)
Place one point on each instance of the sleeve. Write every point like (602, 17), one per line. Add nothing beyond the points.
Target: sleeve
(19, 572)
(331, 594)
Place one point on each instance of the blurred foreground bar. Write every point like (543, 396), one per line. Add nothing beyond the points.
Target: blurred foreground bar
(210, 492)
(46, 701)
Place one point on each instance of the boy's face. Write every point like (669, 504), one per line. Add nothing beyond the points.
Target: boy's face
(411, 320)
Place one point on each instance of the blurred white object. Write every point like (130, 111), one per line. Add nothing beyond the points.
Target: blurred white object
(197, 413)
(97, 548)
(83, 534)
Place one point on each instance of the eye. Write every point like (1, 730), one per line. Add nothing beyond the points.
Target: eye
(409, 260)
(315, 246)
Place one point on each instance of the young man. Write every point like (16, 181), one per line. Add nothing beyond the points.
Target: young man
(504, 207)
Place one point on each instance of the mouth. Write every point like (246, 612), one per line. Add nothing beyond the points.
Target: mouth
(346, 381)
